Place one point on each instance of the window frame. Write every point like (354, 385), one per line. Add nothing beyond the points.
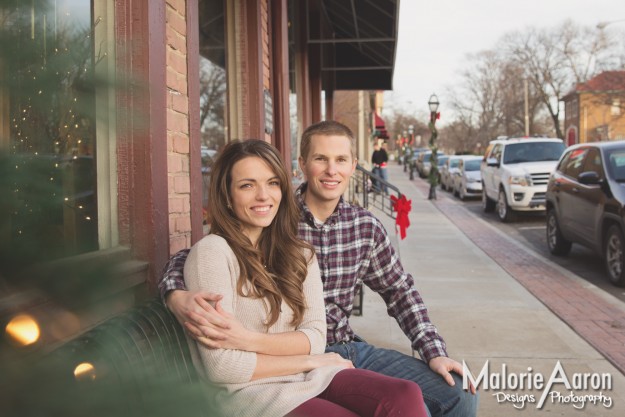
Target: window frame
(103, 24)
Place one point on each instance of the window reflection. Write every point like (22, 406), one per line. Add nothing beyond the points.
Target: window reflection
(48, 129)
(213, 88)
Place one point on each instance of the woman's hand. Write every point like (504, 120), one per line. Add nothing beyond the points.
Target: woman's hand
(329, 359)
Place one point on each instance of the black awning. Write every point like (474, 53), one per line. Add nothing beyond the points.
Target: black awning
(359, 43)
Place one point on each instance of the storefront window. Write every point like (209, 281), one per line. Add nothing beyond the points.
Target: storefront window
(48, 128)
(213, 86)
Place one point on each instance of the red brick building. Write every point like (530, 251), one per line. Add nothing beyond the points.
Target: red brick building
(129, 159)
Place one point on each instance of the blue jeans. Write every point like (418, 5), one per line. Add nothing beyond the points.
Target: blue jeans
(440, 398)
(382, 173)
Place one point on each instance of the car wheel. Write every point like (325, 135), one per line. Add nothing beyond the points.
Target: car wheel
(614, 260)
(557, 244)
(503, 209)
(488, 205)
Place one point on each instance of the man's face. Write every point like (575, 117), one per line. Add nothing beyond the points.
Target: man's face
(328, 168)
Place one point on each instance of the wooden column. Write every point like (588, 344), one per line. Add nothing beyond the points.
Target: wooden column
(280, 57)
(314, 63)
(142, 129)
(195, 145)
(302, 80)
(253, 76)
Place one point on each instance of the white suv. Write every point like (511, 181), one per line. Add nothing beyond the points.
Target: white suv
(515, 173)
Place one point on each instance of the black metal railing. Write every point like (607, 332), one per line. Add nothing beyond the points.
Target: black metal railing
(367, 189)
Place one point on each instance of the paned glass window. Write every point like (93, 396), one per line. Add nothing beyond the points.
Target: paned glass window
(49, 66)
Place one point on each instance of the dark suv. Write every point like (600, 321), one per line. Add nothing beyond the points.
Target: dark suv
(585, 203)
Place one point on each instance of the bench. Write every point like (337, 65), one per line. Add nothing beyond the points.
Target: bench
(134, 364)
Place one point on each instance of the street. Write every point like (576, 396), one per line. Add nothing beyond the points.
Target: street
(496, 298)
(529, 229)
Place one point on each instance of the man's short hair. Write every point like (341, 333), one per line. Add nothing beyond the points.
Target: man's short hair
(325, 128)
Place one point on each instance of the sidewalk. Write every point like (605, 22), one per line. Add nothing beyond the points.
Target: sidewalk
(475, 282)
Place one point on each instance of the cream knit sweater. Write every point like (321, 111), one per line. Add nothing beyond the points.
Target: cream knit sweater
(212, 266)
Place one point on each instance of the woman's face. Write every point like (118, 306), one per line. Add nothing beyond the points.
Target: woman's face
(256, 195)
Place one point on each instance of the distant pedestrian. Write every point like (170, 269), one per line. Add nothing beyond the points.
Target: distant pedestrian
(379, 159)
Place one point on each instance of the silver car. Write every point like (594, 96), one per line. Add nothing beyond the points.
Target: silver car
(468, 180)
(448, 170)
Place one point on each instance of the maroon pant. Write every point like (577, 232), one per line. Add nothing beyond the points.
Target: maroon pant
(363, 393)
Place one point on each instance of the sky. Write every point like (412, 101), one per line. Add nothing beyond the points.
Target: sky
(436, 36)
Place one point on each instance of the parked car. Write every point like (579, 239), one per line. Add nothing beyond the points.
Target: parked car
(208, 158)
(424, 164)
(515, 173)
(412, 161)
(447, 171)
(586, 204)
(467, 180)
(441, 160)
(297, 177)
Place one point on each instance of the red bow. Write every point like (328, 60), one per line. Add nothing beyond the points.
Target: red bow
(402, 207)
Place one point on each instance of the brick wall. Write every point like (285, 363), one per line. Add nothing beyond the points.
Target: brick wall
(346, 112)
(178, 183)
(346, 109)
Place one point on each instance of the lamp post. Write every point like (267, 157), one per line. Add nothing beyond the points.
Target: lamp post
(404, 136)
(411, 143)
(433, 103)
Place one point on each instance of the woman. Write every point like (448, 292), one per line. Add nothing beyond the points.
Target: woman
(272, 363)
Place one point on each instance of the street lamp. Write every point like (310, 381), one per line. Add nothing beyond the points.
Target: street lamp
(433, 103)
(404, 136)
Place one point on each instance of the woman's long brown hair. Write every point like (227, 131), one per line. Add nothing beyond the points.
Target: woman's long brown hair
(276, 269)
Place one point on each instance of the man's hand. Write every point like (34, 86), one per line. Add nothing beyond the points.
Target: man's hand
(443, 365)
(232, 334)
(193, 310)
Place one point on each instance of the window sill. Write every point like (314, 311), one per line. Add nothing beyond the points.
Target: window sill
(77, 292)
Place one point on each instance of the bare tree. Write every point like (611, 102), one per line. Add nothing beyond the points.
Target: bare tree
(212, 103)
(458, 138)
(477, 102)
(400, 120)
(555, 59)
(544, 63)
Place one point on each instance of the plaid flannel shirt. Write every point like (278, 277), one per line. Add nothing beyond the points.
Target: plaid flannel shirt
(352, 248)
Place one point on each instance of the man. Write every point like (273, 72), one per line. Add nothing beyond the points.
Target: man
(352, 248)
(379, 159)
